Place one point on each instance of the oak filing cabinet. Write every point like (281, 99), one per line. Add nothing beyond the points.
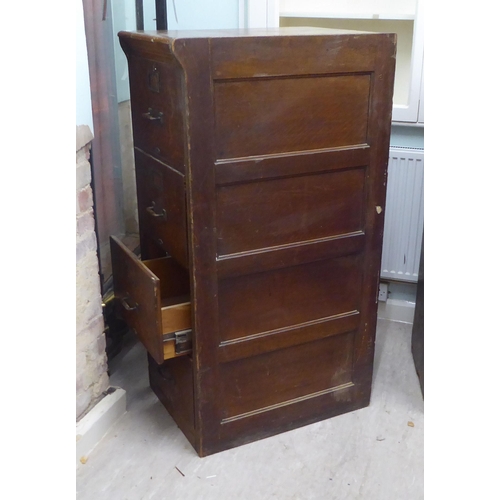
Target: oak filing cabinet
(261, 161)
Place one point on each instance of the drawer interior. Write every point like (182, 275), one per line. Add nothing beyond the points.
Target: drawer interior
(175, 303)
(154, 299)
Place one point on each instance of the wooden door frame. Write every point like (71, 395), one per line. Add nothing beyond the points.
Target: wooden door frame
(105, 153)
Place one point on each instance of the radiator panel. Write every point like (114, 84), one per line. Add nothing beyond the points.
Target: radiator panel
(404, 216)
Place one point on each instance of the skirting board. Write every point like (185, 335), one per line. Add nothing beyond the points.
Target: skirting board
(396, 310)
(94, 426)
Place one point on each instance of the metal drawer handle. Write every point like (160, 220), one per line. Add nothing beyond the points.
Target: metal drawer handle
(152, 115)
(127, 306)
(151, 211)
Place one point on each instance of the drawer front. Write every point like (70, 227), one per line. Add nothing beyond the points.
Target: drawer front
(161, 202)
(157, 116)
(153, 298)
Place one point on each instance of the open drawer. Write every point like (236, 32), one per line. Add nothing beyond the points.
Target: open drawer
(154, 300)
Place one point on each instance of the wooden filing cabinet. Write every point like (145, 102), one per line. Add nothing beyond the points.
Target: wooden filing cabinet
(261, 161)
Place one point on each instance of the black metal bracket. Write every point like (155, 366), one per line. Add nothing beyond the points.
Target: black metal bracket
(161, 14)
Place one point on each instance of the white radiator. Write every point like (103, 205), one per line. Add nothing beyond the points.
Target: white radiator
(404, 215)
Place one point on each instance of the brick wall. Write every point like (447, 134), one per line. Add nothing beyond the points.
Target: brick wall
(91, 362)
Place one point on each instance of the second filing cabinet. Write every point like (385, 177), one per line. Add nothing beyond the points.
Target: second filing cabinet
(261, 160)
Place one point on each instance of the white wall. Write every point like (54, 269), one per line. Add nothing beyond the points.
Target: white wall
(408, 137)
(191, 14)
(83, 101)
(198, 14)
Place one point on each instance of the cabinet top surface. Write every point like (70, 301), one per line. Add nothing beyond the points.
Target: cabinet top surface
(171, 35)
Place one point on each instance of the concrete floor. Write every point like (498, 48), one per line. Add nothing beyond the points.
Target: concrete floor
(368, 454)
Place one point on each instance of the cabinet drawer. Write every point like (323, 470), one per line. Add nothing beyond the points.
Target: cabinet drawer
(161, 203)
(154, 300)
(157, 109)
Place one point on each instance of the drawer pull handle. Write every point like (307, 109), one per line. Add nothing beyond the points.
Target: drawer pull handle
(151, 211)
(127, 306)
(153, 116)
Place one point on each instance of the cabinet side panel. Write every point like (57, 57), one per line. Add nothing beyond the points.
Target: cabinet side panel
(264, 116)
(276, 56)
(290, 342)
(282, 211)
(296, 338)
(255, 303)
(292, 373)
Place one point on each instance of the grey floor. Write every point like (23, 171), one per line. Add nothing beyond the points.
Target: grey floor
(369, 454)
